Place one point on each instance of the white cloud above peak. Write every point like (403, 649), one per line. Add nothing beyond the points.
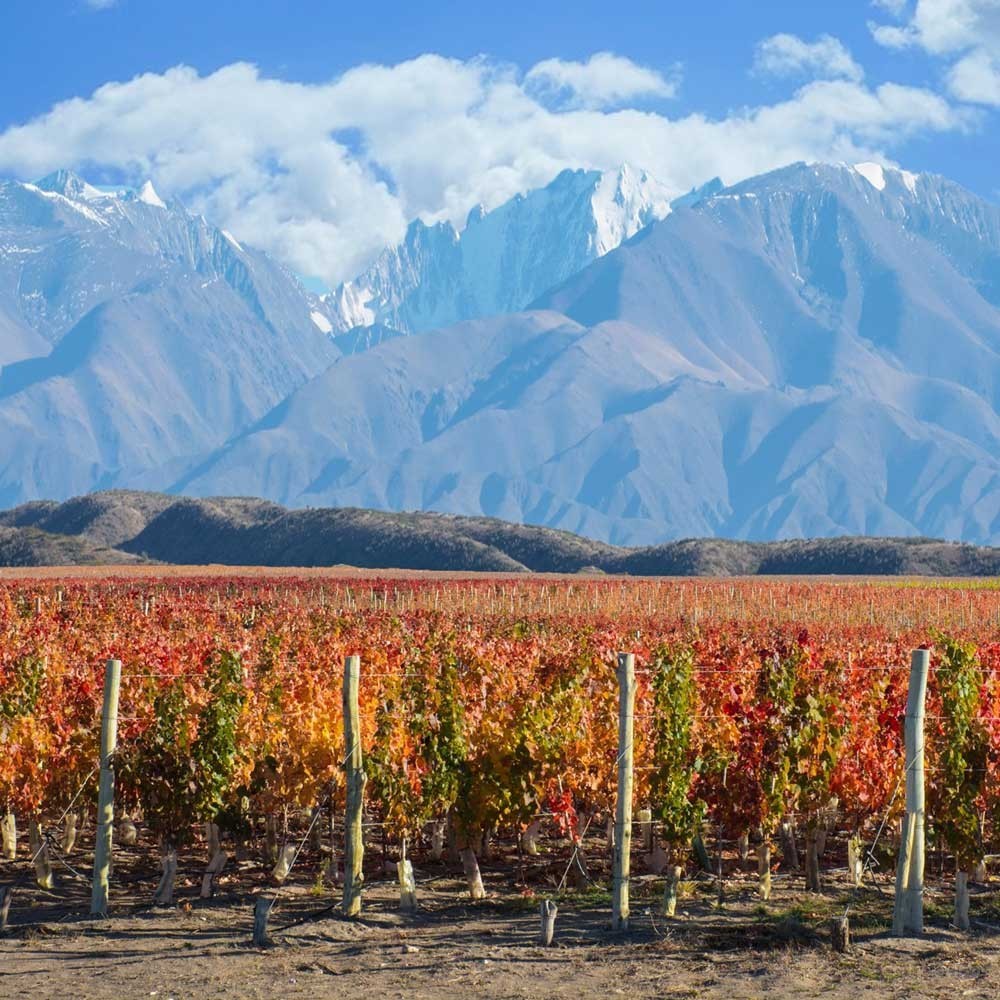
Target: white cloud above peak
(325, 175)
(789, 55)
(605, 80)
(966, 33)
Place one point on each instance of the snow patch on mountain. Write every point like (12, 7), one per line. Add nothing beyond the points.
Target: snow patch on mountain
(350, 303)
(503, 259)
(873, 173)
(321, 322)
(76, 206)
(148, 196)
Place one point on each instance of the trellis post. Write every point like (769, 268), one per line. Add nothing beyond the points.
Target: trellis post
(908, 913)
(623, 806)
(355, 845)
(106, 791)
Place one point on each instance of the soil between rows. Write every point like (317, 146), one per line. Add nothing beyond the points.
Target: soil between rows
(456, 948)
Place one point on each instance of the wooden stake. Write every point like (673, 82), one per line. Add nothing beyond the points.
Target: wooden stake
(813, 883)
(8, 832)
(214, 868)
(470, 865)
(623, 806)
(438, 838)
(355, 848)
(764, 869)
(789, 850)
(69, 832)
(284, 864)
(407, 886)
(646, 829)
(6, 894)
(127, 833)
(548, 911)
(840, 934)
(908, 913)
(106, 791)
(316, 826)
(164, 894)
(743, 846)
(962, 901)
(40, 854)
(855, 859)
(529, 838)
(212, 839)
(261, 912)
(271, 839)
(670, 890)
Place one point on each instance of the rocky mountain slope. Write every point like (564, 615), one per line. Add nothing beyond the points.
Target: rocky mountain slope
(135, 338)
(814, 352)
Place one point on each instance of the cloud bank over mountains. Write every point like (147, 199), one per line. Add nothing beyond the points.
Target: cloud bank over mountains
(963, 33)
(325, 175)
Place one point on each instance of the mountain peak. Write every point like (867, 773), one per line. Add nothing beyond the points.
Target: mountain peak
(504, 258)
(699, 194)
(147, 194)
(69, 185)
(879, 176)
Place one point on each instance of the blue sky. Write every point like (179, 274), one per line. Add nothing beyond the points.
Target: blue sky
(274, 119)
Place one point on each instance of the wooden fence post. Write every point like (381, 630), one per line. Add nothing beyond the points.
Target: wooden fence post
(623, 806)
(106, 792)
(355, 846)
(908, 913)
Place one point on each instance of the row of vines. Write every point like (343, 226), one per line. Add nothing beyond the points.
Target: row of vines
(482, 709)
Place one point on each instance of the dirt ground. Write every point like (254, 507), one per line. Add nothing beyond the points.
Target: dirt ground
(456, 948)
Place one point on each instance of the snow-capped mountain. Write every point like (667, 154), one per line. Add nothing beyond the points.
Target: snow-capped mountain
(66, 246)
(502, 259)
(134, 338)
(811, 352)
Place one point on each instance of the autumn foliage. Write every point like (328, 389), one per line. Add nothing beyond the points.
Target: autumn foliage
(490, 701)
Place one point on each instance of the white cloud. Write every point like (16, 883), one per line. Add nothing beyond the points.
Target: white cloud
(976, 78)
(788, 55)
(605, 80)
(100, 4)
(324, 175)
(964, 32)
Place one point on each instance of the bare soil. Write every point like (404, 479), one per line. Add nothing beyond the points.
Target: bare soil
(456, 948)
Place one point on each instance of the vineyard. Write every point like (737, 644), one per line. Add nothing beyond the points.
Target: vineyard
(767, 742)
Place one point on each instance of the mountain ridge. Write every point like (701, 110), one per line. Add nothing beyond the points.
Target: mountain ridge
(812, 352)
(125, 527)
(503, 258)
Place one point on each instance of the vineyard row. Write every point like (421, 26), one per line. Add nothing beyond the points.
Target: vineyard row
(472, 725)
